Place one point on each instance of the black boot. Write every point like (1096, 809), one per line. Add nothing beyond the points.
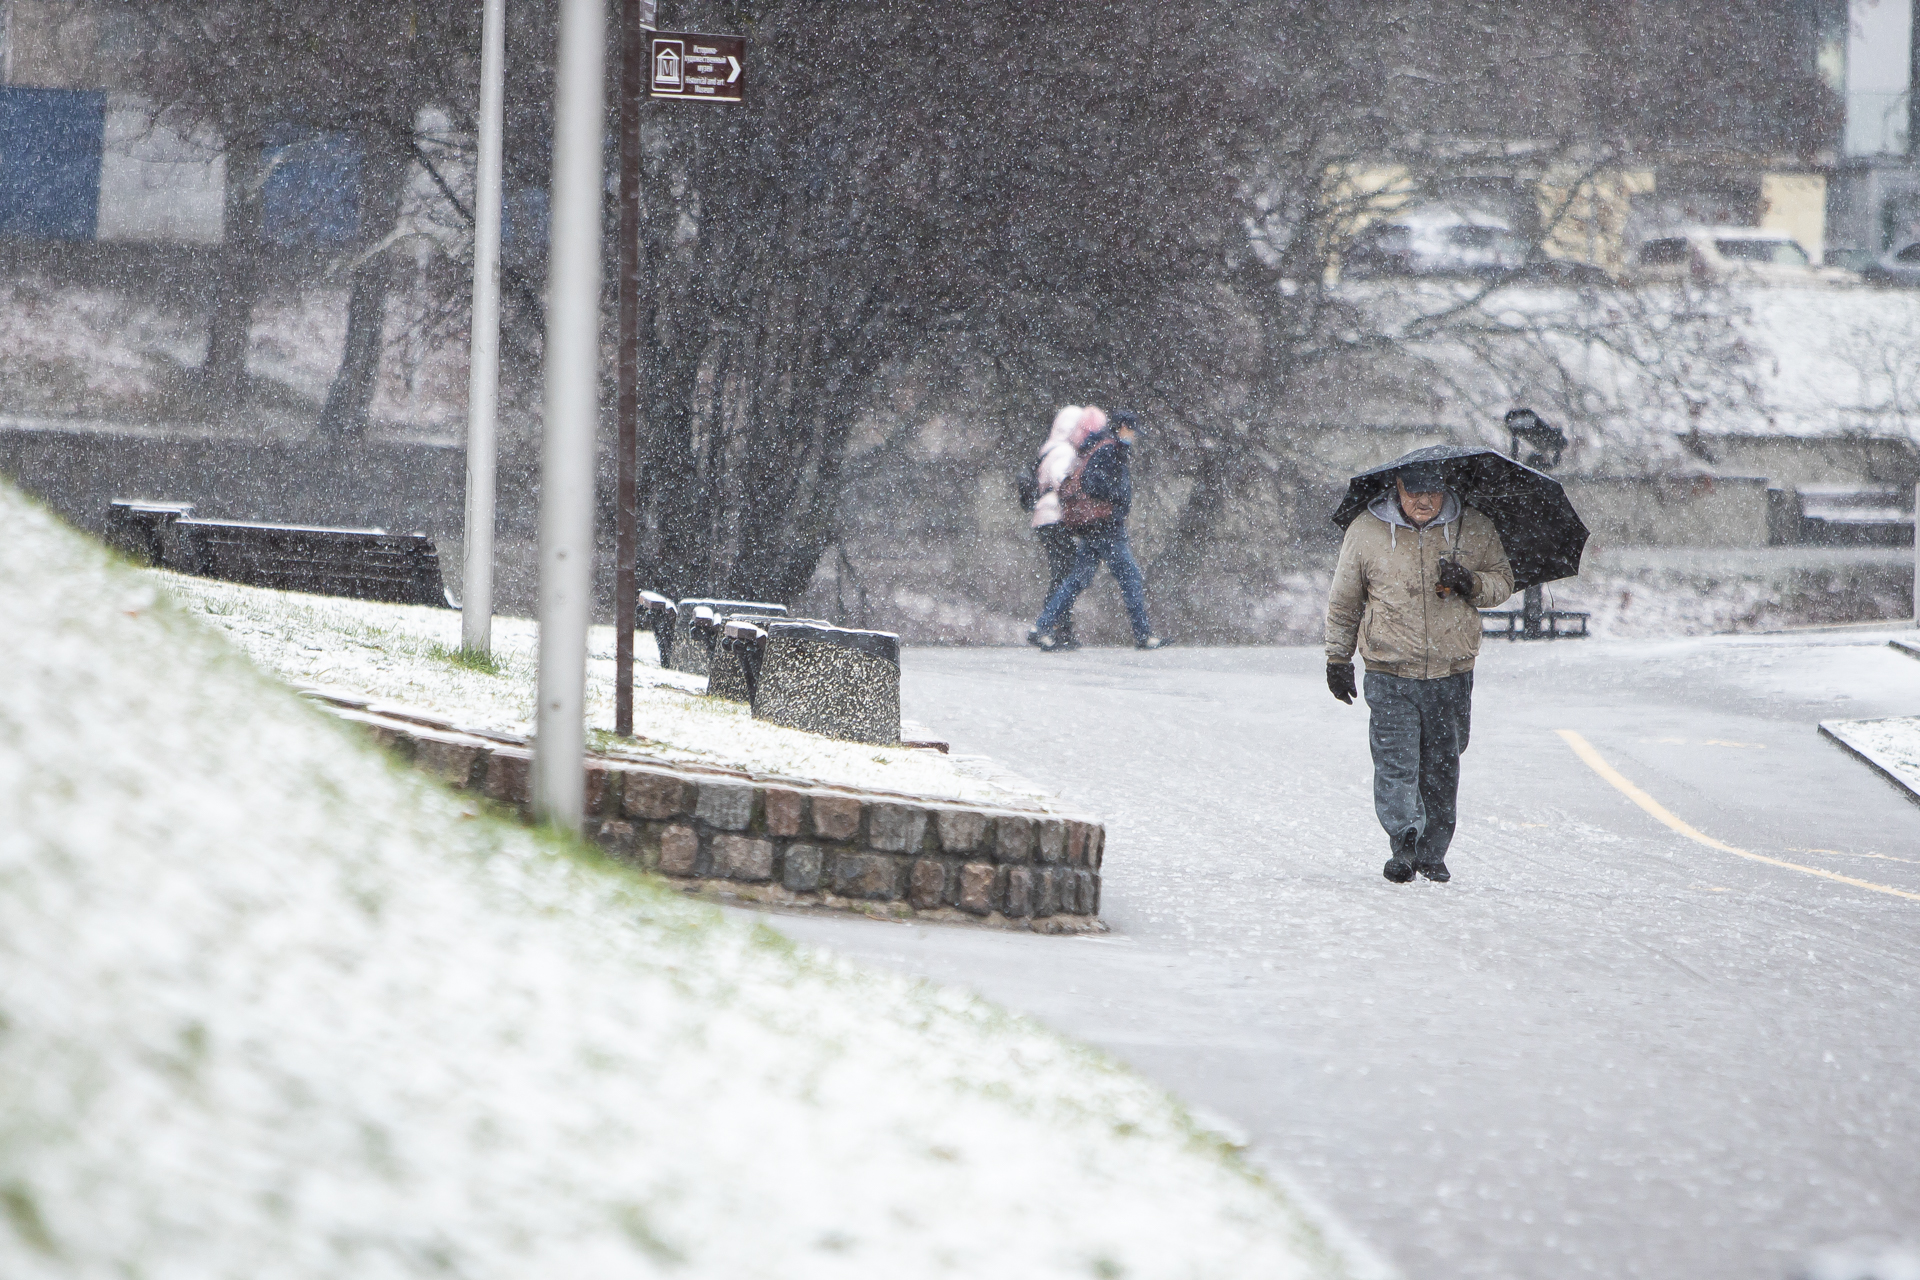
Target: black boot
(1434, 871)
(1399, 868)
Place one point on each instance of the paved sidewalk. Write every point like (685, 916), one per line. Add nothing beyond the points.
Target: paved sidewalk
(1606, 1049)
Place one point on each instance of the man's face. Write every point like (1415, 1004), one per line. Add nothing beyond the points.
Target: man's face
(1124, 433)
(1419, 507)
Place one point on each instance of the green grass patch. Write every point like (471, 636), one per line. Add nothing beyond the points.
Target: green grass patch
(468, 659)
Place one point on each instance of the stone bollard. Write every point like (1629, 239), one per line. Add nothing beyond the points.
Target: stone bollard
(693, 654)
(824, 679)
(727, 673)
(654, 612)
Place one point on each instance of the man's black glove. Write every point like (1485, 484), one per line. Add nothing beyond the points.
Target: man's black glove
(1340, 681)
(1457, 578)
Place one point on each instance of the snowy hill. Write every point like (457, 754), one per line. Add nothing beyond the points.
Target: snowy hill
(270, 1006)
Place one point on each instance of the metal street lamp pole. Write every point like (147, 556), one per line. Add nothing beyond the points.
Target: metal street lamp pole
(571, 411)
(635, 17)
(483, 371)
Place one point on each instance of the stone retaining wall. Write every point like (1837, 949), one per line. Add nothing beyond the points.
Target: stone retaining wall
(783, 843)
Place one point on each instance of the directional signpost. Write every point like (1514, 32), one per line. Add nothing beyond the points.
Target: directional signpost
(653, 64)
(698, 68)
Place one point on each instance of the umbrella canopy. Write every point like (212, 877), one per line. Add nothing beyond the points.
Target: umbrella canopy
(1542, 533)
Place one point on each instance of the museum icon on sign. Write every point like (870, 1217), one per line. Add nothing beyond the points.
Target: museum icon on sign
(668, 59)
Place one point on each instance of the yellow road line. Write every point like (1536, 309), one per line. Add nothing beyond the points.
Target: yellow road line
(1584, 749)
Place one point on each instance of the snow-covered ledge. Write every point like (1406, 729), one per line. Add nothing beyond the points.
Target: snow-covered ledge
(787, 842)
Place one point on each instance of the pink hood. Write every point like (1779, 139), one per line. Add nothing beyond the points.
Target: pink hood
(1056, 459)
(1092, 418)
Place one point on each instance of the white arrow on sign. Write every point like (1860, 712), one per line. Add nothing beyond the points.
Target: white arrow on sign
(736, 68)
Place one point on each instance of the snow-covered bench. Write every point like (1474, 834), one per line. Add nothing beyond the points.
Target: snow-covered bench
(692, 651)
(365, 564)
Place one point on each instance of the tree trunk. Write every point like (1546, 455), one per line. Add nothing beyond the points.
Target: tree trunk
(223, 374)
(383, 176)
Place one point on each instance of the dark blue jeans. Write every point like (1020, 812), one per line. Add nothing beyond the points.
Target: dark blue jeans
(1113, 549)
(1418, 730)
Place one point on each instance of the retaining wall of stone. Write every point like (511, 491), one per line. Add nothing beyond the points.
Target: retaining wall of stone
(782, 843)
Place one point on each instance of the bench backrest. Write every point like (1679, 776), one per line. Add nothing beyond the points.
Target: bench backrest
(364, 564)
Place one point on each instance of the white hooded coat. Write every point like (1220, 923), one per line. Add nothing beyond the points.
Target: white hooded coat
(1056, 460)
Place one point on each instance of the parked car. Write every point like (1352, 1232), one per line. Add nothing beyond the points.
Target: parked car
(1749, 254)
(1901, 267)
(1448, 242)
(1435, 241)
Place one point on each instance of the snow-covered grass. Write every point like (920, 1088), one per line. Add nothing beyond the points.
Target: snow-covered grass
(410, 654)
(271, 1006)
(114, 354)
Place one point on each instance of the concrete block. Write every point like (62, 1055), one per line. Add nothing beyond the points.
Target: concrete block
(833, 681)
(603, 790)
(509, 776)
(694, 654)
(457, 764)
(651, 794)
(1013, 839)
(616, 837)
(1046, 890)
(786, 811)
(1019, 900)
(727, 806)
(1050, 840)
(385, 735)
(868, 875)
(679, 851)
(727, 669)
(896, 828)
(1076, 844)
(800, 868)
(836, 817)
(742, 858)
(960, 830)
(927, 883)
(977, 881)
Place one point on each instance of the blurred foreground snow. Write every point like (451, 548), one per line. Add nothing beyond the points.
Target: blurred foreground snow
(270, 1006)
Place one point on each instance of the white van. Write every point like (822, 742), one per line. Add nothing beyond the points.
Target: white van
(1436, 241)
(1749, 254)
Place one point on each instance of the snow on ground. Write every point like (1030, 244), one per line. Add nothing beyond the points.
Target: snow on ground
(81, 352)
(1834, 359)
(74, 350)
(1892, 745)
(404, 653)
(271, 1006)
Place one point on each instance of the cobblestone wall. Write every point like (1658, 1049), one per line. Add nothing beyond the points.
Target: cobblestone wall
(736, 837)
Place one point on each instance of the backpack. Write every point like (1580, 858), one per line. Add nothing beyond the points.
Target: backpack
(1077, 510)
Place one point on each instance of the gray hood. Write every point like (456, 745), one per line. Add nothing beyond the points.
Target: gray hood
(1387, 507)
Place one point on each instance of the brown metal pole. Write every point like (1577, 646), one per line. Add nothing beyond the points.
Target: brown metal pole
(633, 59)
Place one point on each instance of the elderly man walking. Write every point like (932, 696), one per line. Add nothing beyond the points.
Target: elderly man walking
(1415, 570)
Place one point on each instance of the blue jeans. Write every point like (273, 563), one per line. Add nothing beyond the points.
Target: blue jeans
(1113, 549)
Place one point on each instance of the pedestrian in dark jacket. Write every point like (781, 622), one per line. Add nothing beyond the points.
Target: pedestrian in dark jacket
(1106, 477)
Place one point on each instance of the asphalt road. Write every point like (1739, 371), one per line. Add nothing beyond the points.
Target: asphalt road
(1605, 1049)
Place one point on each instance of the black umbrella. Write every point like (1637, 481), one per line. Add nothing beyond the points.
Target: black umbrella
(1541, 531)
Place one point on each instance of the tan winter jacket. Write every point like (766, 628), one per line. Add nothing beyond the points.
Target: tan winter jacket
(1384, 591)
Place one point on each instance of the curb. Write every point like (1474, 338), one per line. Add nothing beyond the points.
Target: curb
(1834, 731)
(785, 842)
